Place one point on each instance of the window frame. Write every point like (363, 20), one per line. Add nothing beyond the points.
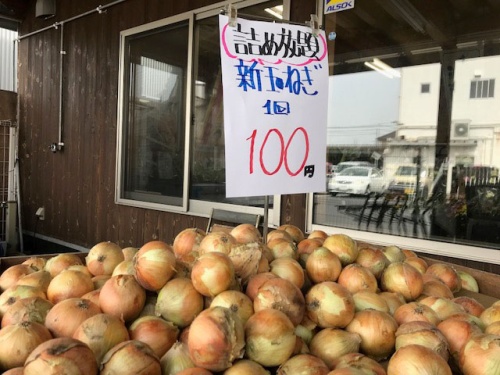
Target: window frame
(485, 85)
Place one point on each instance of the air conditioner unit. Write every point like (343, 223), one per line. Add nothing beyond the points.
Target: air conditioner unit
(461, 130)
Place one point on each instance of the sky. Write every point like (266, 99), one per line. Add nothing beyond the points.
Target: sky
(362, 107)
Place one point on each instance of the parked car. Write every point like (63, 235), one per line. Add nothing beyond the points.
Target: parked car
(405, 180)
(347, 164)
(360, 180)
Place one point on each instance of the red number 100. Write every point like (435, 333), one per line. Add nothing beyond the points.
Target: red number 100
(283, 151)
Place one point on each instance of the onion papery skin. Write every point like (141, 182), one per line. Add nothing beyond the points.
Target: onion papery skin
(176, 359)
(246, 233)
(365, 299)
(11, 275)
(216, 242)
(394, 254)
(269, 337)
(236, 301)
(294, 231)
(186, 244)
(31, 309)
(468, 282)
(60, 262)
(303, 364)
(393, 299)
(64, 317)
(69, 284)
(246, 259)
(283, 295)
(40, 279)
(129, 252)
(93, 296)
(212, 273)
(179, 302)
(329, 305)
(361, 362)
(481, 355)
(416, 312)
(124, 268)
(101, 333)
(281, 248)
(306, 247)
(317, 233)
(422, 333)
(36, 262)
(323, 265)
(417, 360)
(493, 329)
(130, 357)
(18, 340)
(216, 338)
(447, 274)
(123, 297)
(354, 277)
(419, 263)
(256, 281)
(289, 269)
(154, 265)
(343, 246)
(372, 259)
(470, 305)
(158, 333)
(378, 333)
(404, 279)
(330, 344)
(246, 367)
(490, 315)
(443, 307)
(17, 292)
(63, 355)
(103, 257)
(278, 233)
(457, 333)
(436, 288)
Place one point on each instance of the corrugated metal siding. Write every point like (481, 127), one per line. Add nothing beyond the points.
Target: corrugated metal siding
(8, 60)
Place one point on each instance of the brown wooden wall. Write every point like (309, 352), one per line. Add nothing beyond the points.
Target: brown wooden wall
(77, 185)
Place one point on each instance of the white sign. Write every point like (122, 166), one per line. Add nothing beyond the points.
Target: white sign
(332, 6)
(275, 84)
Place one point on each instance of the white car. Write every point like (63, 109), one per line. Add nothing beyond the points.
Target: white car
(358, 180)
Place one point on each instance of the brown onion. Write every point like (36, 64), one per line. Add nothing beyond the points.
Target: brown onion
(236, 301)
(11, 275)
(62, 261)
(372, 259)
(294, 231)
(303, 364)
(417, 360)
(216, 242)
(278, 233)
(245, 233)
(377, 330)
(362, 362)
(129, 252)
(415, 311)
(186, 244)
(317, 233)
(18, 340)
(470, 305)
(289, 269)
(129, 358)
(244, 367)
(393, 299)
(36, 262)
(246, 259)
(330, 344)
(103, 257)
(330, 305)
(60, 356)
(69, 284)
(17, 292)
(443, 307)
(457, 333)
(447, 274)
(365, 299)
(176, 359)
(269, 337)
(490, 315)
(123, 297)
(30, 309)
(281, 247)
(306, 247)
(40, 279)
(481, 355)
(256, 281)
(93, 296)
(100, 280)
(15, 371)
(158, 333)
(124, 268)
(468, 282)
(179, 302)
(354, 277)
(419, 263)
(323, 265)
(394, 254)
(436, 288)
(343, 246)
(493, 328)
(212, 273)
(65, 316)
(154, 265)
(422, 333)
(402, 278)
(216, 338)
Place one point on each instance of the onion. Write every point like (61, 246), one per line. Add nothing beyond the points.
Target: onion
(490, 315)
(306, 247)
(124, 268)
(402, 278)
(269, 337)
(306, 364)
(69, 284)
(283, 295)
(100, 280)
(378, 333)
(30, 309)
(294, 231)
(236, 301)
(93, 296)
(17, 292)
(422, 333)
(289, 269)
(158, 333)
(320, 234)
(436, 288)
(329, 305)
(186, 244)
(281, 247)
(470, 305)
(245, 233)
(18, 340)
(394, 254)
(278, 233)
(361, 362)
(256, 281)
(60, 356)
(409, 253)
(245, 367)
(194, 371)
(149, 308)
(415, 312)
(354, 277)
(365, 299)
(468, 282)
(419, 263)
(11, 275)
(64, 317)
(216, 338)
(101, 332)
(457, 333)
(470, 318)
(40, 279)
(15, 371)
(179, 302)
(393, 299)
(493, 328)
(246, 259)
(443, 307)
(343, 246)
(330, 344)
(481, 355)
(216, 242)
(447, 274)
(212, 273)
(130, 357)
(123, 297)
(60, 262)
(347, 371)
(417, 360)
(176, 359)
(323, 265)
(154, 265)
(35, 262)
(372, 259)
(129, 252)
(103, 257)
